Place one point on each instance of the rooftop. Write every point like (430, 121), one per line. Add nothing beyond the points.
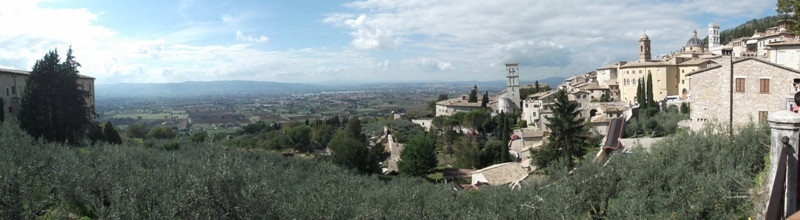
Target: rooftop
(504, 173)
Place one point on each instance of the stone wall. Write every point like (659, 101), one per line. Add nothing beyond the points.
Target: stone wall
(710, 92)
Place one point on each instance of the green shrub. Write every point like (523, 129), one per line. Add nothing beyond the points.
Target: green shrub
(172, 145)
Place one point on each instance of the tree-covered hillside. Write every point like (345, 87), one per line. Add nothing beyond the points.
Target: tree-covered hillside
(746, 29)
(703, 175)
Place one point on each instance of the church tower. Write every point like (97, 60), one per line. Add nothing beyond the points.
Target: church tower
(512, 82)
(644, 49)
(713, 35)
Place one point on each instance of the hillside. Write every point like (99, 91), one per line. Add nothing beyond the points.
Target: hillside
(687, 176)
(747, 29)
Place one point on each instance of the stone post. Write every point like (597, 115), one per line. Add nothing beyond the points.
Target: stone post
(784, 124)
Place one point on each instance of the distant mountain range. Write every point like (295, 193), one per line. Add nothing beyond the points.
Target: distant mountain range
(236, 87)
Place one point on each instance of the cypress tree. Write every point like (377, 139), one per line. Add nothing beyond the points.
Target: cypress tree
(111, 134)
(639, 92)
(2, 110)
(95, 133)
(650, 102)
(485, 99)
(52, 106)
(537, 87)
(473, 95)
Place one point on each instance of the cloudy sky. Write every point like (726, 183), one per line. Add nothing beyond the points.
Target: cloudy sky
(337, 41)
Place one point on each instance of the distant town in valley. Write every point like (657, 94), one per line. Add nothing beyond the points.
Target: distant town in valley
(527, 126)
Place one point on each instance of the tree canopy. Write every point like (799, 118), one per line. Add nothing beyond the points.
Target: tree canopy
(418, 156)
(137, 130)
(52, 106)
(473, 95)
(110, 133)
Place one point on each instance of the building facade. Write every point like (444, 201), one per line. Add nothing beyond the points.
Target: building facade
(759, 88)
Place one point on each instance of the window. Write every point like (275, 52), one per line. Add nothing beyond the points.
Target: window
(7, 94)
(762, 115)
(683, 81)
(683, 71)
(739, 84)
(640, 71)
(764, 85)
(13, 90)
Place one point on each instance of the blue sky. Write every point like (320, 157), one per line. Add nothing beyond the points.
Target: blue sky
(351, 41)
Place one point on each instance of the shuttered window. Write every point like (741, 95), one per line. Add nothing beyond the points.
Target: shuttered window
(764, 85)
(740, 85)
(762, 115)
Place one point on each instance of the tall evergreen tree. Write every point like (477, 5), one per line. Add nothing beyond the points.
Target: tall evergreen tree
(650, 101)
(485, 99)
(473, 95)
(567, 139)
(2, 110)
(95, 133)
(111, 134)
(640, 96)
(536, 90)
(53, 107)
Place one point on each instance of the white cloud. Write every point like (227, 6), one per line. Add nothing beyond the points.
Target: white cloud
(427, 64)
(249, 38)
(550, 35)
(366, 34)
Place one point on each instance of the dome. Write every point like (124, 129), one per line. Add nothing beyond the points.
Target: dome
(694, 41)
(645, 37)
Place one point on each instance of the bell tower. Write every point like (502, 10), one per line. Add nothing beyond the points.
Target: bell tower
(512, 82)
(713, 35)
(644, 48)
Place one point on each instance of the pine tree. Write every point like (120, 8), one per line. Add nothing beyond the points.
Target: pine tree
(53, 107)
(473, 95)
(485, 99)
(111, 134)
(536, 90)
(567, 139)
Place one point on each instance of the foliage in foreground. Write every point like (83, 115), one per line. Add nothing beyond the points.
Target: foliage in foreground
(702, 175)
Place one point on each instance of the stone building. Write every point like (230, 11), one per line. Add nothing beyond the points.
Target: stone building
(758, 45)
(786, 54)
(760, 87)
(506, 101)
(608, 74)
(12, 84)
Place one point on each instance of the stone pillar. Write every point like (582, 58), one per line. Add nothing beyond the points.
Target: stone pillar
(784, 124)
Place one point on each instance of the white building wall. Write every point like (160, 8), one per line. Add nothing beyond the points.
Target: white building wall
(788, 56)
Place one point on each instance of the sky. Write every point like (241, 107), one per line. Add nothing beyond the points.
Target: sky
(341, 42)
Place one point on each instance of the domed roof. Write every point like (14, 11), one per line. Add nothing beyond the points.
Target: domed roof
(645, 37)
(694, 41)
